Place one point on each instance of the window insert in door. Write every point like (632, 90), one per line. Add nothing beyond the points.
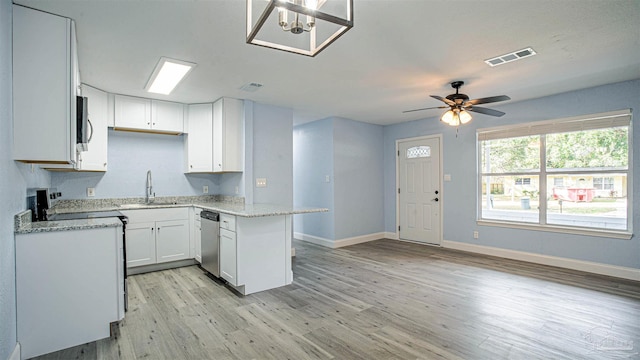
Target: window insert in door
(418, 152)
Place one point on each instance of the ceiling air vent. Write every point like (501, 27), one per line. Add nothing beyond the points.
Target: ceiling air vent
(512, 56)
(251, 87)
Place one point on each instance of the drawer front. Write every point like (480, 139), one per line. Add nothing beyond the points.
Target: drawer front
(228, 222)
(145, 215)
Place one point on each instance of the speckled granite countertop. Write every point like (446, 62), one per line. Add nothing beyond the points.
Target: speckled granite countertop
(25, 226)
(255, 210)
(224, 204)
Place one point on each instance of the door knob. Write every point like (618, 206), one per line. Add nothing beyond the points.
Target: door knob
(436, 192)
(436, 199)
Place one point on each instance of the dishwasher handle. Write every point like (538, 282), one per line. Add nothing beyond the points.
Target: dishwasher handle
(210, 215)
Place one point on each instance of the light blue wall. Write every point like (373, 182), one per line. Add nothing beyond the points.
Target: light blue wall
(459, 195)
(273, 154)
(351, 153)
(268, 153)
(358, 178)
(15, 178)
(312, 162)
(130, 155)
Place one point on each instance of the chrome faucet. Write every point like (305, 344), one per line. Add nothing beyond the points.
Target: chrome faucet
(150, 194)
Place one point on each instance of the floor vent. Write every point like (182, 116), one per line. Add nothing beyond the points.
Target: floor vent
(512, 56)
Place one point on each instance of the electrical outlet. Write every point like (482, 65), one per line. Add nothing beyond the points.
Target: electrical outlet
(327, 178)
(237, 190)
(205, 189)
(91, 192)
(475, 235)
(261, 182)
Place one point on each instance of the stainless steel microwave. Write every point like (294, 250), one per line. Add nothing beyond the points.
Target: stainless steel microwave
(84, 129)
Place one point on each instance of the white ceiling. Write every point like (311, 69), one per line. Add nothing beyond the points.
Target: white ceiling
(397, 54)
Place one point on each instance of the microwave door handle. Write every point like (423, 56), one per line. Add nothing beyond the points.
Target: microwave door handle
(90, 127)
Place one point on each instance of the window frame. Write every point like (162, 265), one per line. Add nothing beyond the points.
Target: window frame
(542, 128)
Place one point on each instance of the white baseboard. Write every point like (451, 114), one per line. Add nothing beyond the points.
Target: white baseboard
(391, 235)
(581, 265)
(15, 355)
(339, 243)
(314, 239)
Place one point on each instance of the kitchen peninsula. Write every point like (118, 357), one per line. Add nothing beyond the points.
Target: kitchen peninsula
(258, 247)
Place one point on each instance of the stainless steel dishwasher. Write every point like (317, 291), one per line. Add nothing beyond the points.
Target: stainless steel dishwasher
(210, 224)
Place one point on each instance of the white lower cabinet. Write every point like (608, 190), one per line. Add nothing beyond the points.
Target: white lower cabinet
(228, 257)
(197, 236)
(68, 287)
(141, 244)
(172, 240)
(157, 236)
(255, 252)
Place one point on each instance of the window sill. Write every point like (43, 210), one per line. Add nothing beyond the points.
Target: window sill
(615, 234)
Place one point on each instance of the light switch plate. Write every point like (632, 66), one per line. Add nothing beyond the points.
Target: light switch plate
(91, 191)
(205, 189)
(447, 177)
(261, 182)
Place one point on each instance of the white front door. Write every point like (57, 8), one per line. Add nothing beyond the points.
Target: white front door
(419, 190)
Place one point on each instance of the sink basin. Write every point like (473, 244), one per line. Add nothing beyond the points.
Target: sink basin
(132, 206)
(140, 206)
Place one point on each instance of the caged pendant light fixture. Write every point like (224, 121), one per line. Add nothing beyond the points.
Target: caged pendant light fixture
(304, 27)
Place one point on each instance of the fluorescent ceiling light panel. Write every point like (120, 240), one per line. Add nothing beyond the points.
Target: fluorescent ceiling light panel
(167, 74)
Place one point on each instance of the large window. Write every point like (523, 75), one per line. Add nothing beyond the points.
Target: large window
(560, 175)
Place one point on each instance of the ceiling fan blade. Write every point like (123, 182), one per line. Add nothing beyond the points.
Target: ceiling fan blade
(429, 108)
(444, 100)
(485, 111)
(487, 100)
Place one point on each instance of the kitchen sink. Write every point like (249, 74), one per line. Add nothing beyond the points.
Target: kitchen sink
(140, 206)
(132, 206)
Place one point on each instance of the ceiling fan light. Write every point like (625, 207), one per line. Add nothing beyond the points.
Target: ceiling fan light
(447, 117)
(464, 116)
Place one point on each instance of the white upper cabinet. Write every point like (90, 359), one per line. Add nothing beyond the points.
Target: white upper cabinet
(227, 135)
(146, 115)
(199, 146)
(167, 116)
(45, 85)
(95, 159)
(215, 139)
(132, 112)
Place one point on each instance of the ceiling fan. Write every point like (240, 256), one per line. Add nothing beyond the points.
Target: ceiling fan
(459, 106)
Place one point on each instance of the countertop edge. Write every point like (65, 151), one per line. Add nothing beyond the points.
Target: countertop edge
(67, 225)
(221, 207)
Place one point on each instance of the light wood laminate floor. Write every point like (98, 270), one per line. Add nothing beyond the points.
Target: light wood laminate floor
(380, 300)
